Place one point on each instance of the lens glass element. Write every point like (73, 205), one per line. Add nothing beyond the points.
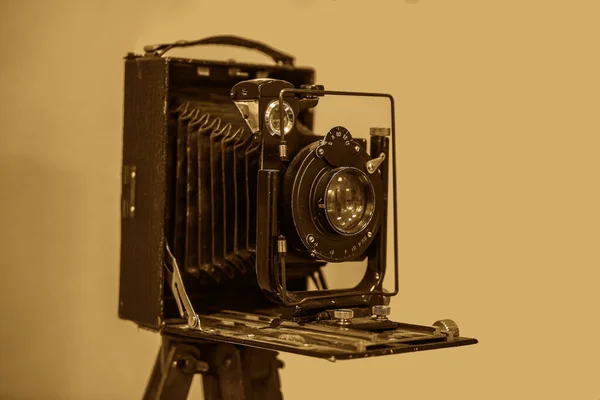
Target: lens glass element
(348, 201)
(273, 118)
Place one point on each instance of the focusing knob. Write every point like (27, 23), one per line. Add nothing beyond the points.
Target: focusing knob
(381, 312)
(343, 316)
(448, 325)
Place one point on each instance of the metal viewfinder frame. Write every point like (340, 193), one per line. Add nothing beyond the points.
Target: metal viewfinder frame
(282, 144)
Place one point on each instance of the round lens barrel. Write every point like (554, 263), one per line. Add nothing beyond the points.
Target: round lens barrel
(348, 201)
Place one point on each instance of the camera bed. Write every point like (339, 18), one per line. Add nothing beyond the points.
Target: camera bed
(321, 339)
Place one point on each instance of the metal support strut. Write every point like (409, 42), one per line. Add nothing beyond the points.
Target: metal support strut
(228, 372)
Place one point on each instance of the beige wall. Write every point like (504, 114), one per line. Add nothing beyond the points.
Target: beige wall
(498, 114)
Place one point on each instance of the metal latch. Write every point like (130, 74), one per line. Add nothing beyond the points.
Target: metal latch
(373, 164)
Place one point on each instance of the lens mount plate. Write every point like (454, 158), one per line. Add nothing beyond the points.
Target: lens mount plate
(337, 150)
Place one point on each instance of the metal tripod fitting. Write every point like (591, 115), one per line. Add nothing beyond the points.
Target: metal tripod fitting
(228, 372)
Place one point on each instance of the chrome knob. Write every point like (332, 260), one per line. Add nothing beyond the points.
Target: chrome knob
(343, 316)
(381, 312)
(448, 325)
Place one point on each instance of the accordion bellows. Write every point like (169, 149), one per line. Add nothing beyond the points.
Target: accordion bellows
(215, 196)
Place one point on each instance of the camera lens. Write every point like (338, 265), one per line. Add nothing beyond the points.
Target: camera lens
(273, 118)
(349, 201)
(336, 206)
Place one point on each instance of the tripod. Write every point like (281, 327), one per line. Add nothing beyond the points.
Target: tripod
(228, 372)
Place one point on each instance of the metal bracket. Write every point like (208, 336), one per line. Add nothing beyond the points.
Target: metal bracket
(186, 310)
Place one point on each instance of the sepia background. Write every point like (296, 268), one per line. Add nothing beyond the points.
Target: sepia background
(498, 122)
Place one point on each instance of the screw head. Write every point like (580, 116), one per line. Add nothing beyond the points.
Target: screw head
(369, 234)
(343, 314)
(320, 152)
(356, 148)
(381, 311)
(311, 239)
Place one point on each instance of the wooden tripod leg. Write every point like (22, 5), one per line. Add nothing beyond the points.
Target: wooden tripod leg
(229, 372)
(173, 371)
(242, 373)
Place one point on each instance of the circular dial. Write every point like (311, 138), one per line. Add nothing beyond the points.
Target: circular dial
(336, 206)
(273, 117)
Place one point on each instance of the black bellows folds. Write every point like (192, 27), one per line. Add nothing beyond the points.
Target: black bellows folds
(214, 199)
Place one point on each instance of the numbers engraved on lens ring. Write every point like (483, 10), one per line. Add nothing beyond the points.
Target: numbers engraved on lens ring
(338, 132)
(360, 243)
(356, 247)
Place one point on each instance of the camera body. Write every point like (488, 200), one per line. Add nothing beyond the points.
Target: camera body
(231, 203)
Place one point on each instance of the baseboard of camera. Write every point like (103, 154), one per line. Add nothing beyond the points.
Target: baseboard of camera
(328, 339)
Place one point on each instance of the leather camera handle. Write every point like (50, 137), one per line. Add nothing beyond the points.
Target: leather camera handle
(278, 56)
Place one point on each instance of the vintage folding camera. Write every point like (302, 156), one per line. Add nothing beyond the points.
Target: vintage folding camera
(232, 204)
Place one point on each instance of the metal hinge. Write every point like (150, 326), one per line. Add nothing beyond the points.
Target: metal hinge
(128, 191)
(186, 310)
